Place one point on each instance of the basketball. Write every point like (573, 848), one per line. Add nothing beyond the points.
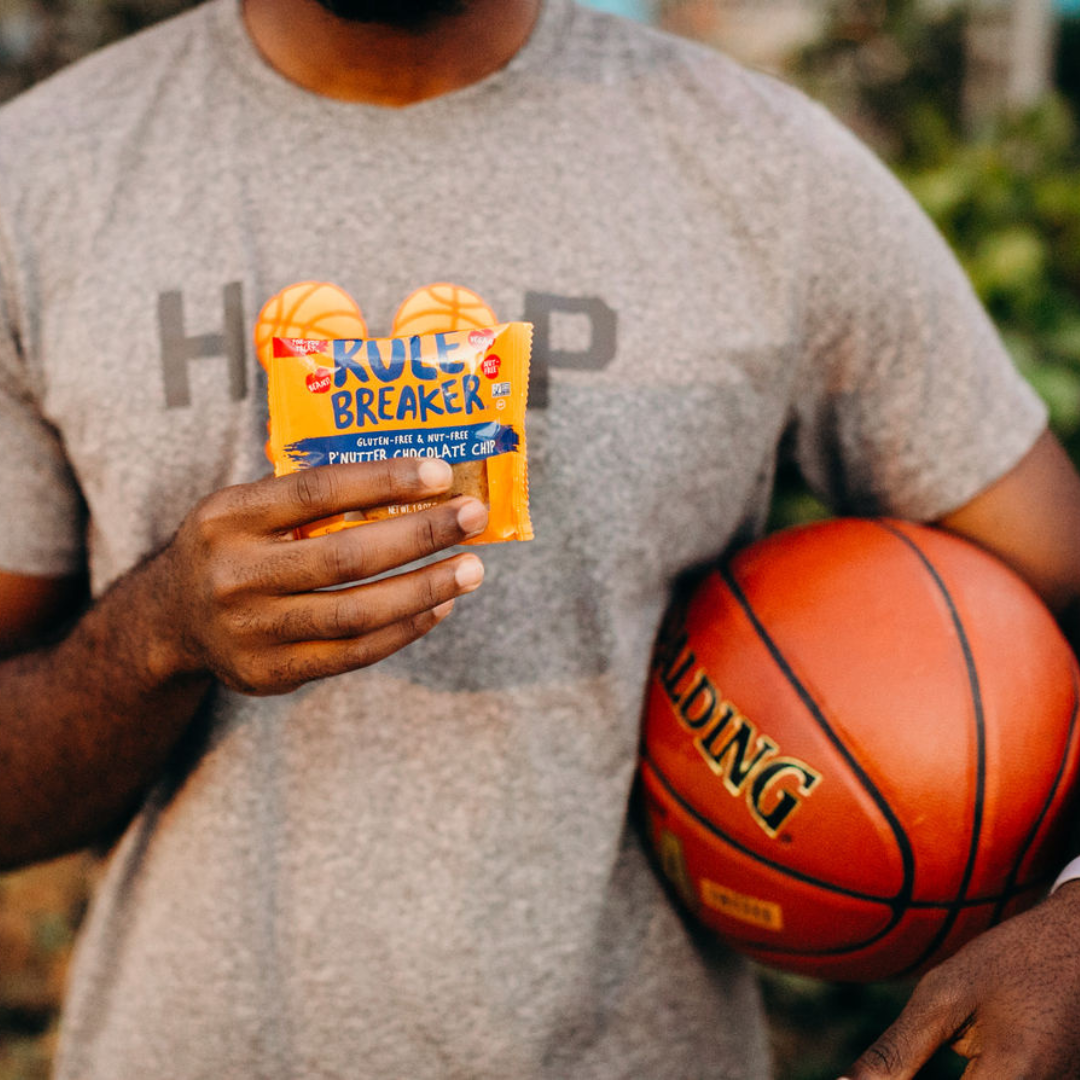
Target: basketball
(860, 748)
(435, 309)
(307, 310)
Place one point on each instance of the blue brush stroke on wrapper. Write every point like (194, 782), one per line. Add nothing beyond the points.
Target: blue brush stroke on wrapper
(468, 442)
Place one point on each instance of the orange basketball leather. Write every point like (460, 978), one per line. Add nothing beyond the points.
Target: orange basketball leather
(860, 748)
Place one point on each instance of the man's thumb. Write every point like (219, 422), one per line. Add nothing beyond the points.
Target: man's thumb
(893, 1057)
(926, 1024)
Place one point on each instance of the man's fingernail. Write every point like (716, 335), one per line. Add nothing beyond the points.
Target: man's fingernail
(435, 473)
(443, 609)
(471, 517)
(469, 572)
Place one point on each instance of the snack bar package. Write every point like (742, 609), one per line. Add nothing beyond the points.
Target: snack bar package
(460, 396)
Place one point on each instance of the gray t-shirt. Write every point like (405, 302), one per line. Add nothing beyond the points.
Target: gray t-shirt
(423, 869)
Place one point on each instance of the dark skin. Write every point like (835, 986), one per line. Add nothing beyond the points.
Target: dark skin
(1009, 1000)
(89, 720)
(232, 597)
(380, 64)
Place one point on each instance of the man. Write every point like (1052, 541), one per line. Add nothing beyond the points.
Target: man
(338, 845)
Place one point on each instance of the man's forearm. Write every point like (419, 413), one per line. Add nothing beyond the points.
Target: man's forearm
(87, 723)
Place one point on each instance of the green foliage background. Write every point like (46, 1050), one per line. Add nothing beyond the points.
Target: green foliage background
(1007, 197)
(1005, 192)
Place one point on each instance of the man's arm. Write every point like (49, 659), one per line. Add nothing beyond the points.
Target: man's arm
(1010, 1000)
(87, 722)
(32, 607)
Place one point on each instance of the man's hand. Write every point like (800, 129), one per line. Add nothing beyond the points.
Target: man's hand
(88, 721)
(1009, 1001)
(241, 597)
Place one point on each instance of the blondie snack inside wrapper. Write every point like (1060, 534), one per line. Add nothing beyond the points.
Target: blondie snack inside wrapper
(460, 396)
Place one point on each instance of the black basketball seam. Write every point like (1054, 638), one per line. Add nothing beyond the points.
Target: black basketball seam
(767, 947)
(952, 908)
(978, 809)
(913, 904)
(907, 858)
(1010, 881)
(809, 879)
(894, 912)
(827, 886)
(739, 846)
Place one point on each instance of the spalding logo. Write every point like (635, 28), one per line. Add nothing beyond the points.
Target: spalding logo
(746, 762)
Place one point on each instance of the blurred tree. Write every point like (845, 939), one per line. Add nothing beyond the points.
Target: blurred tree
(1007, 198)
(1067, 66)
(1006, 195)
(37, 37)
(893, 69)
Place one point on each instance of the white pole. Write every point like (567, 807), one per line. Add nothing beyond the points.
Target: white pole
(1032, 48)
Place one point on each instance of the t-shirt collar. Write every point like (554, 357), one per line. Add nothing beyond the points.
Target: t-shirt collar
(244, 58)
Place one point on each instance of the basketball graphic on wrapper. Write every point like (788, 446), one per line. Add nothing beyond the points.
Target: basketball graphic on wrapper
(440, 308)
(860, 748)
(308, 310)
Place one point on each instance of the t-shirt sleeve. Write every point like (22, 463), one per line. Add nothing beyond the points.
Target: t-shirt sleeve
(907, 402)
(43, 518)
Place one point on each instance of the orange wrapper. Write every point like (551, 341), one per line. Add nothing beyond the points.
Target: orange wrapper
(459, 395)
